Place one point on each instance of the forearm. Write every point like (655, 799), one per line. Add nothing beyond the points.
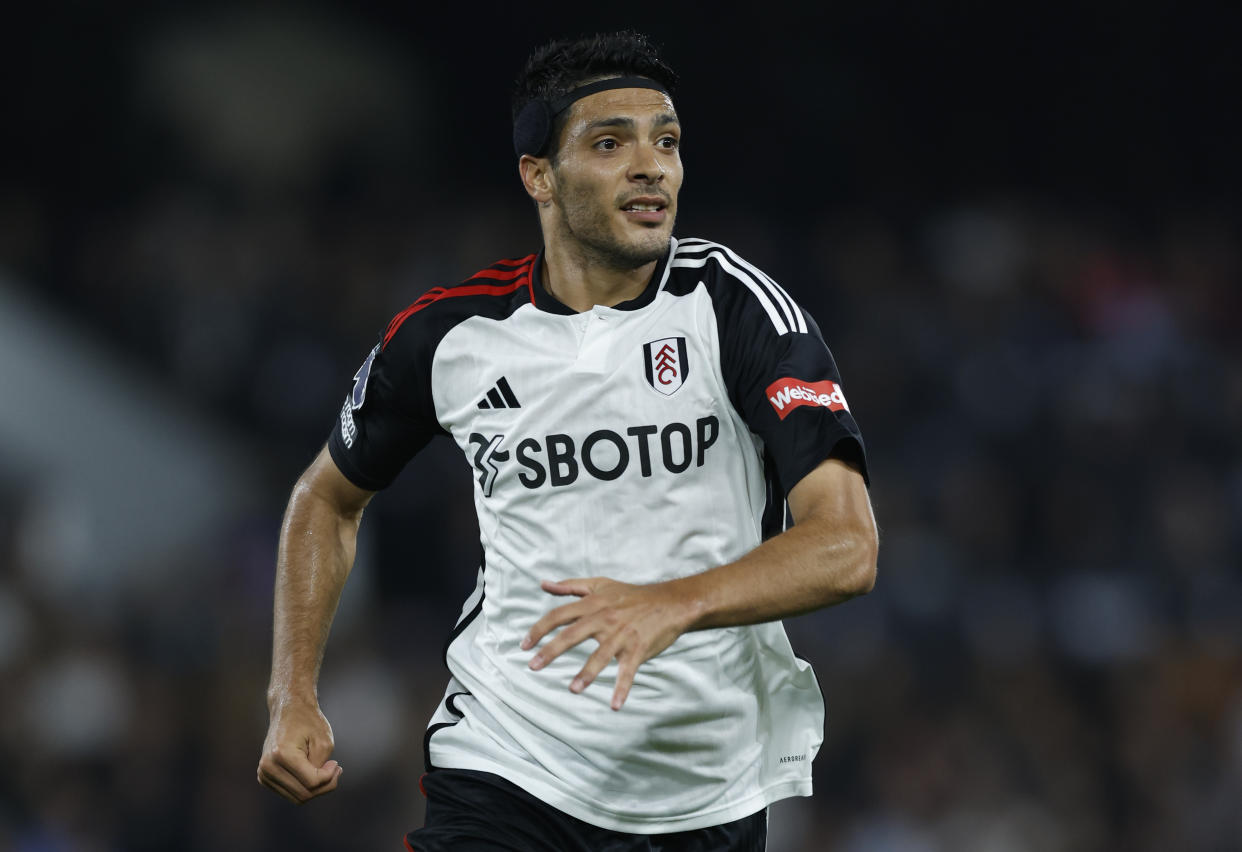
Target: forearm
(316, 553)
(809, 566)
(829, 556)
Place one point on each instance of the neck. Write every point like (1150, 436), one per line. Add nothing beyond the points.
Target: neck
(581, 281)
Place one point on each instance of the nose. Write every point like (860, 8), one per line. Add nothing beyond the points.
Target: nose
(646, 167)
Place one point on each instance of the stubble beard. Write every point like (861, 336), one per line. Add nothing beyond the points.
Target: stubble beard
(589, 227)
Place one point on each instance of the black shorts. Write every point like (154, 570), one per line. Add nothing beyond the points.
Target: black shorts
(470, 811)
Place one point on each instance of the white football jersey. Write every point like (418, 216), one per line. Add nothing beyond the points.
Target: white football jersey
(642, 442)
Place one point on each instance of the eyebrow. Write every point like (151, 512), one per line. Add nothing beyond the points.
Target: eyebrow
(629, 124)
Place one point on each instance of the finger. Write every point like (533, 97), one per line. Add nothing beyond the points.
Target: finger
(318, 749)
(331, 770)
(289, 788)
(551, 620)
(296, 794)
(569, 637)
(311, 777)
(332, 784)
(625, 679)
(277, 779)
(275, 786)
(595, 664)
(297, 764)
(579, 587)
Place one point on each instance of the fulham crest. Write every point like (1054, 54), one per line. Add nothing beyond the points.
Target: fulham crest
(666, 364)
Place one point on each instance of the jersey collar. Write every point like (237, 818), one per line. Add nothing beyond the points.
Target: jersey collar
(545, 301)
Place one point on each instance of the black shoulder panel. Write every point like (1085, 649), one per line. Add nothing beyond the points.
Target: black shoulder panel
(780, 374)
(390, 413)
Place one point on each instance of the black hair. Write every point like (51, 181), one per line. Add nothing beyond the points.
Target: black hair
(560, 66)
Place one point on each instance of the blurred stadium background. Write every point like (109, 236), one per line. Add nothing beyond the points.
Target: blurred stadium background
(1019, 233)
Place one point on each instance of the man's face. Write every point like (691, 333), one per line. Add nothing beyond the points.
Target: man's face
(617, 175)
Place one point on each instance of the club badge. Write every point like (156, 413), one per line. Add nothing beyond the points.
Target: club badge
(666, 364)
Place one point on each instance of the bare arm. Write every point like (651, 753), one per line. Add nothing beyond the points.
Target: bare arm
(317, 543)
(828, 556)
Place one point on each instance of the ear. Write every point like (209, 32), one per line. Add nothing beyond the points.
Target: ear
(536, 173)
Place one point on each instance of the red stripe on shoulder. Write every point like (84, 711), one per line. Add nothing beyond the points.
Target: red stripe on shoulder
(507, 280)
(506, 269)
(500, 274)
(512, 262)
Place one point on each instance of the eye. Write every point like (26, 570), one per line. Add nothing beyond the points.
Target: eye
(670, 143)
(606, 144)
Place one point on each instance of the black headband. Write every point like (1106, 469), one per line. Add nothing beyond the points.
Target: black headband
(532, 128)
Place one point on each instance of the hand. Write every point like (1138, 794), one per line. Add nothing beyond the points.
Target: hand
(631, 624)
(295, 754)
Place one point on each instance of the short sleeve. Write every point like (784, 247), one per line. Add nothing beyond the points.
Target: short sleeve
(389, 414)
(784, 382)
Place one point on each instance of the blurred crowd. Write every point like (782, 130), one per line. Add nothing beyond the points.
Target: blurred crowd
(1052, 399)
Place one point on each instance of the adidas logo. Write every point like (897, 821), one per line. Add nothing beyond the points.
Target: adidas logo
(500, 396)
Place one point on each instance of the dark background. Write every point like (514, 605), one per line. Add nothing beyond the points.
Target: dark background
(1019, 232)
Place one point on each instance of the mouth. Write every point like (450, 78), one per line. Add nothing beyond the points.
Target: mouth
(651, 209)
